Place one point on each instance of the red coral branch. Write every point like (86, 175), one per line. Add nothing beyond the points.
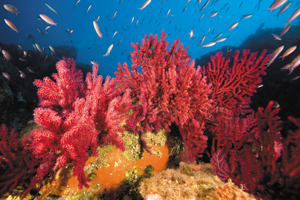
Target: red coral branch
(269, 138)
(232, 86)
(194, 139)
(17, 164)
(291, 155)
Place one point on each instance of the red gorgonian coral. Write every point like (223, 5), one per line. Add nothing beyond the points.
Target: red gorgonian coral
(233, 85)
(174, 90)
(74, 115)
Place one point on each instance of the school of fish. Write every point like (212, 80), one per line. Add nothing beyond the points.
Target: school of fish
(281, 5)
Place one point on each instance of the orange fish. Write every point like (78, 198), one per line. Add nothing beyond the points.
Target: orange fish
(288, 52)
(11, 25)
(97, 29)
(145, 4)
(293, 16)
(11, 8)
(233, 26)
(274, 55)
(276, 4)
(47, 19)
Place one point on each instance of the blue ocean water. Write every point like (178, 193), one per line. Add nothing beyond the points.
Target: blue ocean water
(183, 17)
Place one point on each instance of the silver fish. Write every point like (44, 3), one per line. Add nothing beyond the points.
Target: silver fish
(274, 55)
(288, 52)
(96, 27)
(47, 19)
(88, 10)
(53, 9)
(109, 50)
(210, 44)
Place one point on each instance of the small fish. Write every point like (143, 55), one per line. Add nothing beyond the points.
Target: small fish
(47, 19)
(69, 31)
(38, 47)
(219, 35)
(108, 50)
(95, 63)
(39, 30)
(202, 40)
(88, 10)
(241, 4)
(96, 27)
(275, 104)
(119, 42)
(293, 16)
(276, 37)
(222, 39)
(22, 74)
(46, 29)
(224, 7)
(295, 63)
(201, 16)
(233, 26)
(210, 44)
(6, 55)
(53, 9)
(259, 86)
(284, 8)
(11, 25)
(287, 66)
(6, 75)
(114, 15)
(11, 8)
(199, 2)
(246, 16)
(46, 57)
(23, 60)
(25, 53)
(145, 4)
(184, 9)
(34, 47)
(114, 34)
(52, 49)
(168, 13)
(274, 55)
(295, 78)
(213, 14)
(76, 4)
(191, 34)
(132, 20)
(207, 2)
(276, 4)
(21, 47)
(288, 52)
(284, 30)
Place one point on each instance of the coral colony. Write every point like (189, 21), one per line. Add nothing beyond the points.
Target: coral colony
(210, 103)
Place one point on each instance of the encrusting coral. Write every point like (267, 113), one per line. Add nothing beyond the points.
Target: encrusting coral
(187, 182)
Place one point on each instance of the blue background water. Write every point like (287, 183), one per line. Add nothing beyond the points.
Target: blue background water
(84, 34)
